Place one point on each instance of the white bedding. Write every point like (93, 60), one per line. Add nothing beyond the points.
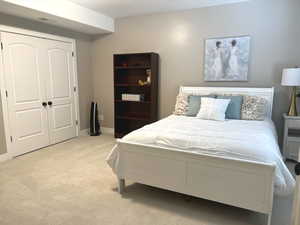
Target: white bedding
(239, 139)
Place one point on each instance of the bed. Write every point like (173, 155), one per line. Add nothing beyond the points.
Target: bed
(233, 162)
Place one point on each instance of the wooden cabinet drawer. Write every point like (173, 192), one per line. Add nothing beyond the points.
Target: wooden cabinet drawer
(293, 149)
(293, 124)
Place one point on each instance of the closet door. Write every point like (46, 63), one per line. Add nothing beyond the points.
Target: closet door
(60, 91)
(24, 75)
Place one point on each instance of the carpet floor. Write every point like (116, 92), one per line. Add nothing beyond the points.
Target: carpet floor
(71, 184)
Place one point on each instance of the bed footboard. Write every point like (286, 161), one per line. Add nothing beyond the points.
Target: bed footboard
(239, 183)
(296, 203)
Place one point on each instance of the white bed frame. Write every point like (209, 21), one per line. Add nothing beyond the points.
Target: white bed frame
(239, 183)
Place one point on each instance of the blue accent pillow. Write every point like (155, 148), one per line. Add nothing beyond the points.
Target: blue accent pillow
(194, 104)
(234, 108)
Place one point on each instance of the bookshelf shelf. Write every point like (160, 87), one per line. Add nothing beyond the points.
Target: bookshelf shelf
(131, 67)
(138, 102)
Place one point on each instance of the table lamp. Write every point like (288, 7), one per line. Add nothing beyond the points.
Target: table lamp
(291, 77)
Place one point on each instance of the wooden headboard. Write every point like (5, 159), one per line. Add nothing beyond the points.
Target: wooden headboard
(267, 93)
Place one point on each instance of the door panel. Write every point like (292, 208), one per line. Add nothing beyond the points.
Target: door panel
(28, 128)
(26, 90)
(23, 68)
(59, 73)
(63, 116)
(62, 120)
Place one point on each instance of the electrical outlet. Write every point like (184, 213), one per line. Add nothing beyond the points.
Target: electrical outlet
(101, 117)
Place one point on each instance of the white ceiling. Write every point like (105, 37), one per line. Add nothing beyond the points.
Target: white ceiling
(125, 8)
(60, 13)
(96, 16)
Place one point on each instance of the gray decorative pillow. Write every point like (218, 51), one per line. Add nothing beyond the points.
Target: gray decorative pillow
(194, 104)
(253, 108)
(234, 108)
(181, 104)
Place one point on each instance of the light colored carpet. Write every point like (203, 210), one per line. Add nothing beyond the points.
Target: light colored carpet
(71, 184)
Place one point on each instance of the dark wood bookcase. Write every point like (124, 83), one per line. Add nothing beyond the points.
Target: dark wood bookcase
(129, 69)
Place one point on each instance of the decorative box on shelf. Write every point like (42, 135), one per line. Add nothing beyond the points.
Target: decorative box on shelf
(132, 97)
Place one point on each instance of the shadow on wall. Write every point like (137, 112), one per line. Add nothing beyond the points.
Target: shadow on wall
(2, 135)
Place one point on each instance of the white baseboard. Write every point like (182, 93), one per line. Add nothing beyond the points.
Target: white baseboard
(105, 130)
(5, 157)
(84, 132)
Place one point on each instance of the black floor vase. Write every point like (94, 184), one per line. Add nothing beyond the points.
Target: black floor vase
(94, 120)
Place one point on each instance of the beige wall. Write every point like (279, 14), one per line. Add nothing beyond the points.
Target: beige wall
(85, 80)
(179, 39)
(83, 43)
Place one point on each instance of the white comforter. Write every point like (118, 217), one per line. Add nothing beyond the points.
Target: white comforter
(241, 139)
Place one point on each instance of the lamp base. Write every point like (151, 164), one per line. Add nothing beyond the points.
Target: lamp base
(293, 105)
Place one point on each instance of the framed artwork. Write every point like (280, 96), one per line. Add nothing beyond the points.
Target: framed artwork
(227, 59)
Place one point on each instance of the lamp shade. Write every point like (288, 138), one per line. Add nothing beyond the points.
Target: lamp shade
(291, 77)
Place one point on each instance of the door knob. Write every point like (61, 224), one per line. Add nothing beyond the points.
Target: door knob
(44, 104)
(50, 103)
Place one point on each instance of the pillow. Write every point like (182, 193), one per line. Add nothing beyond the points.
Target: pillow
(253, 108)
(181, 104)
(234, 108)
(194, 103)
(213, 109)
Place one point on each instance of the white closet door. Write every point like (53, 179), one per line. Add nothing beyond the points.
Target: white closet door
(24, 75)
(60, 91)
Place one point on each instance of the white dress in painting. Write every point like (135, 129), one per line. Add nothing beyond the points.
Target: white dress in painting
(218, 66)
(233, 65)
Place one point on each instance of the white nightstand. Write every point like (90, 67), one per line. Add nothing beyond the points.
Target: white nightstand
(291, 137)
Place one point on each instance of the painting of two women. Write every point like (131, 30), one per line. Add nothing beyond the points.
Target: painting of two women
(227, 59)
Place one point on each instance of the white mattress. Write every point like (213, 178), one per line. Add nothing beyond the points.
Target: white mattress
(239, 139)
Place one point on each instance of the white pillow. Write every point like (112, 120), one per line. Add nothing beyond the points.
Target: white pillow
(213, 109)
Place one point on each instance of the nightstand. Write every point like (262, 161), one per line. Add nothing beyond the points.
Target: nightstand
(291, 137)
